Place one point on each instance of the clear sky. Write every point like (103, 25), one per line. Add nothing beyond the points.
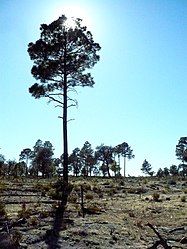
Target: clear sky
(140, 92)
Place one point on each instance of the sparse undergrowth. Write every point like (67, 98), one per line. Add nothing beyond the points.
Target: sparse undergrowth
(116, 212)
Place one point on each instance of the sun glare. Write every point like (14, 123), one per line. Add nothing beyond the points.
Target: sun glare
(74, 11)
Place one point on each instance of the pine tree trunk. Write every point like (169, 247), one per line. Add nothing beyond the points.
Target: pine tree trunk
(65, 136)
(124, 166)
(108, 170)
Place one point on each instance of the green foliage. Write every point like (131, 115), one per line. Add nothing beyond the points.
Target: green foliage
(181, 149)
(62, 57)
(146, 168)
(60, 189)
(74, 161)
(88, 159)
(174, 170)
(124, 150)
(2, 161)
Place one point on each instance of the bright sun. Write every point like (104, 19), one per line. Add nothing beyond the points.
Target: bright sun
(74, 11)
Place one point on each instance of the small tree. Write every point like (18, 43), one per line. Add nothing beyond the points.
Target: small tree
(75, 161)
(173, 170)
(181, 149)
(62, 56)
(2, 161)
(125, 151)
(166, 171)
(160, 173)
(44, 161)
(104, 154)
(26, 154)
(87, 158)
(11, 168)
(146, 168)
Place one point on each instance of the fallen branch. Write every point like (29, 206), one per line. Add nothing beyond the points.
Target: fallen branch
(8, 226)
(161, 241)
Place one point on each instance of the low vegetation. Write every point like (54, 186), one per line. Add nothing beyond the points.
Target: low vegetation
(116, 212)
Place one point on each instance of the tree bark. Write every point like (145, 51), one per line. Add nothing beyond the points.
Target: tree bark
(108, 170)
(124, 166)
(65, 136)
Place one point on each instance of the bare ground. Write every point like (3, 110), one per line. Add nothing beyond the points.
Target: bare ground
(117, 214)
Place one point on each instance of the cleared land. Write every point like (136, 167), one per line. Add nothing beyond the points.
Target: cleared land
(116, 213)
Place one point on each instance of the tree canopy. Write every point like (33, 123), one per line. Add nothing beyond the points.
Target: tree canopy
(62, 57)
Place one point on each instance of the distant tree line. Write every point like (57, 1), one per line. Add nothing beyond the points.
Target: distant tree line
(173, 170)
(40, 161)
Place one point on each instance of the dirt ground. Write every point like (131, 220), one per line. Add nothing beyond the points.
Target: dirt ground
(119, 214)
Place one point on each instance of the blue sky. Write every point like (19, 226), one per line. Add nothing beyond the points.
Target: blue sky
(140, 88)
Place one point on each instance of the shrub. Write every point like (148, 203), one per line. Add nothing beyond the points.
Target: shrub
(140, 190)
(112, 191)
(185, 190)
(86, 186)
(72, 198)
(172, 182)
(183, 198)
(156, 196)
(96, 189)
(2, 187)
(76, 188)
(92, 209)
(34, 221)
(16, 237)
(43, 187)
(44, 214)
(24, 213)
(100, 195)
(89, 196)
(2, 209)
(60, 190)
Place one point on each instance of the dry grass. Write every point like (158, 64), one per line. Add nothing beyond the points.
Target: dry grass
(122, 210)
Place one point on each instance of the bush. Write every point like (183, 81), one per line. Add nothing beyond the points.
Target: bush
(89, 196)
(2, 209)
(172, 182)
(183, 198)
(44, 214)
(86, 187)
(93, 209)
(136, 190)
(112, 191)
(2, 187)
(185, 190)
(73, 198)
(24, 213)
(34, 221)
(156, 196)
